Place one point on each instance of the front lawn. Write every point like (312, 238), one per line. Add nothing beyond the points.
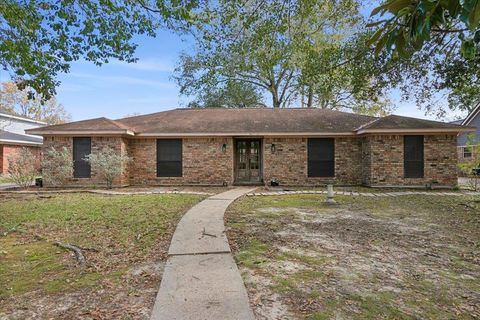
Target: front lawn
(123, 238)
(406, 257)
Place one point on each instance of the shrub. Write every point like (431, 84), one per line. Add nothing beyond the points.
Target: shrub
(21, 168)
(57, 166)
(108, 164)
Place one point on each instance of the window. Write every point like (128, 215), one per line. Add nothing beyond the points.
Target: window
(321, 157)
(169, 158)
(82, 147)
(413, 156)
(467, 152)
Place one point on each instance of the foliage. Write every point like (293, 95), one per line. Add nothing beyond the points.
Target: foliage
(21, 167)
(16, 101)
(108, 164)
(469, 168)
(233, 94)
(40, 39)
(286, 49)
(436, 46)
(412, 23)
(57, 166)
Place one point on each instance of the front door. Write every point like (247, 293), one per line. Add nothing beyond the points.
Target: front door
(247, 161)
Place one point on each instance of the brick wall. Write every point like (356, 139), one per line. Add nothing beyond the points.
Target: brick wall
(7, 150)
(204, 162)
(288, 164)
(371, 160)
(383, 154)
(119, 144)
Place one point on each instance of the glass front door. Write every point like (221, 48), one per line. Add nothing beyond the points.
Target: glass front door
(248, 161)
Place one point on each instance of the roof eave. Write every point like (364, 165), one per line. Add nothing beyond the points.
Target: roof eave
(81, 132)
(17, 142)
(416, 131)
(245, 134)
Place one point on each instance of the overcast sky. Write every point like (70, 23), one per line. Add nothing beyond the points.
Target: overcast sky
(117, 89)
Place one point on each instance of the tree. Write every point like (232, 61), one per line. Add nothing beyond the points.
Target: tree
(231, 95)
(280, 47)
(57, 166)
(436, 47)
(108, 164)
(16, 101)
(40, 39)
(21, 167)
(413, 23)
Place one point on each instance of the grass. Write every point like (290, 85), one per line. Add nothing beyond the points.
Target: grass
(4, 179)
(116, 232)
(405, 257)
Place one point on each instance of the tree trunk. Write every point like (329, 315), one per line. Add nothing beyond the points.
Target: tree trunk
(310, 98)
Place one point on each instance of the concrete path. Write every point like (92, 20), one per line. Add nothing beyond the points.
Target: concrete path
(201, 280)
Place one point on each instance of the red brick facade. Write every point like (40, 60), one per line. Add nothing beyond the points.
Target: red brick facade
(7, 150)
(375, 160)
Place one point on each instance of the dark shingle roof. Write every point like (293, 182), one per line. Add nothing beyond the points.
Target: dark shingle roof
(260, 120)
(15, 137)
(399, 122)
(246, 121)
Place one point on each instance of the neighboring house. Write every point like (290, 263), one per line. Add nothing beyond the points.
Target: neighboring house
(256, 146)
(13, 138)
(465, 152)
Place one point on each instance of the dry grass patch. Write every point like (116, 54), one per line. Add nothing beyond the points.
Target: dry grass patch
(404, 257)
(123, 238)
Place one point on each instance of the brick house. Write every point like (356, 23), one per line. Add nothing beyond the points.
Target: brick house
(13, 138)
(257, 146)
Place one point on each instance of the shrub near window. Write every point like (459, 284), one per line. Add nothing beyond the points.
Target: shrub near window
(21, 168)
(57, 166)
(108, 164)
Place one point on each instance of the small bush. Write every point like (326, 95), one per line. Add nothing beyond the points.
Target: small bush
(21, 168)
(57, 166)
(108, 164)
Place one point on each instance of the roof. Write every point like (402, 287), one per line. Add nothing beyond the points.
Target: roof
(15, 138)
(249, 121)
(22, 118)
(100, 125)
(472, 115)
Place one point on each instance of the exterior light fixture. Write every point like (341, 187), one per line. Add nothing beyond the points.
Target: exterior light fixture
(273, 148)
(224, 147)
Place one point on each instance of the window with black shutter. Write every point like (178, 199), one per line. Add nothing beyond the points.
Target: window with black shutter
(169, 158)
(82, 147)
(321, 157)
(413, 156)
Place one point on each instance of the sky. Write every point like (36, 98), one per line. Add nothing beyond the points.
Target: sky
(117, 89)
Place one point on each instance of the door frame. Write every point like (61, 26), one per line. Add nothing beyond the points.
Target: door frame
(260, 160)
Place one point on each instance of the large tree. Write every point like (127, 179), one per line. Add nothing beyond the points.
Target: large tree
(295, 51)
(40, 38)
(436, 45)
(16, 101)
(232, 94)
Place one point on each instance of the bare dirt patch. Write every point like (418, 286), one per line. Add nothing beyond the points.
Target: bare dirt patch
(396, 258)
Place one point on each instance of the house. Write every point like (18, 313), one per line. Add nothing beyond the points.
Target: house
(465, 152)
(255, 146)
(13, 138)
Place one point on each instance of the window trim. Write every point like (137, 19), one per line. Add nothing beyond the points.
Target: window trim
(410, 175)
(158, 162)
(470, 148)
(76, 175)
(310, 163)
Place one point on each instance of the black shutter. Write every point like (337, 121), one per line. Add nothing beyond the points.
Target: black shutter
(169, 158)
(82, 147)
(413, 156)
(321, 157)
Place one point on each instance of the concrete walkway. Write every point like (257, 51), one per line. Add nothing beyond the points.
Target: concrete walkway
(201, 280)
